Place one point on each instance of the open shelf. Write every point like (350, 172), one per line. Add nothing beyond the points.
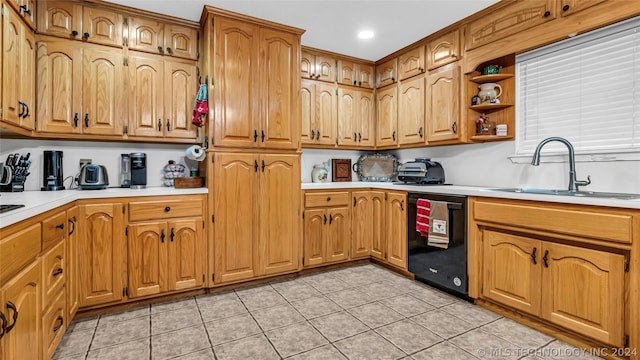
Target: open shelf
(490, 138)
(480, 79)
(485, 107)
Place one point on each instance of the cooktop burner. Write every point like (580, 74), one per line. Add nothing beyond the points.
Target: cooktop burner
(9, 207)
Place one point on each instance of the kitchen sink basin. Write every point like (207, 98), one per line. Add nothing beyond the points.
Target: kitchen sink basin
(591, 194)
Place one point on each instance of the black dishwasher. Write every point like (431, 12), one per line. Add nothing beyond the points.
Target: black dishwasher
(445, 269)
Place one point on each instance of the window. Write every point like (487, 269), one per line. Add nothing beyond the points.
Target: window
(585, 89)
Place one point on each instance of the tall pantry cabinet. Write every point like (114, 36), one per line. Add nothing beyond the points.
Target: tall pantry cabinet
(254, 153)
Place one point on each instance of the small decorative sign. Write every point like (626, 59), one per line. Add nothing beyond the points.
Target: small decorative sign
(341, 169)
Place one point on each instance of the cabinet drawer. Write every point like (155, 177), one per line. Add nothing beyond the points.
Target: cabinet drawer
(161, 209)
(18, 249)
(53, 273)
(54, 324)
(53, 229)
(588, 223)
(326, 199)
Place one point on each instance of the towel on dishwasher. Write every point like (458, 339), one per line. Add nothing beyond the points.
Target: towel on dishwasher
(422, 217)
(439, 225)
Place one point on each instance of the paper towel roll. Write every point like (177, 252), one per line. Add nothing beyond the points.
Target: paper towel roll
(196, 152)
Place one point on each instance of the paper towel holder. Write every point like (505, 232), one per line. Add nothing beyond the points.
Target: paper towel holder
(196, 152)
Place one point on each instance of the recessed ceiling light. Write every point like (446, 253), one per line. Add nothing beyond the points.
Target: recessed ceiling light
(365, 34)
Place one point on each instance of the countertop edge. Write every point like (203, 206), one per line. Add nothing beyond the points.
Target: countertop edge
(38, 202)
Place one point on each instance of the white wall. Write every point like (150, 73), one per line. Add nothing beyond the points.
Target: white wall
(102, 153)
(488, 165)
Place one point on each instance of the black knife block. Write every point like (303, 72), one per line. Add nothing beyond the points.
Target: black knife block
(14, 186)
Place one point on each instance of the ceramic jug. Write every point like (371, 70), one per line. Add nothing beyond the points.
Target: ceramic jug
(487, 92)
(319, 173)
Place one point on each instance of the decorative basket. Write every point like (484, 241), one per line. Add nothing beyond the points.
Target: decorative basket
(187, 182)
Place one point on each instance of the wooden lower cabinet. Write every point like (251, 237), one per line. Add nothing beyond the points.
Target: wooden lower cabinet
(22, 306)
(361, 221)
(326, 235)
(378, 222)
(256, 215)
(396, 229)
(575, 287)
(72, 258)
(102, 252)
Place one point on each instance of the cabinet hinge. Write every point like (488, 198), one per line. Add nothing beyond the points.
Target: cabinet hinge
(125, 62)
(213, 160)
(212, 82)
(213, 218)
(2, 11)
(385, 196)
(125, 130)
(125, 21)
(213, 277)
(626, 341)
(336, 91)
(303, 261)
(206, 142)
(125, 291)
(303, 215)
(213, 22)
(203, 224)
(336, 140)
(124, 207)
(626, 264)
(202, 277)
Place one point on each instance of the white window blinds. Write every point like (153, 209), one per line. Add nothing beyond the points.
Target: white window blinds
(585, 89)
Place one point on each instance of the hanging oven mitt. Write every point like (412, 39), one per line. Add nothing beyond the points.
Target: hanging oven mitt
(201, 106)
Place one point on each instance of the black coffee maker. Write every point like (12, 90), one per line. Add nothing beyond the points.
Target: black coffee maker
(52, 177)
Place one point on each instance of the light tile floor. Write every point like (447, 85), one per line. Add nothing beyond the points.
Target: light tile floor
(362, 312)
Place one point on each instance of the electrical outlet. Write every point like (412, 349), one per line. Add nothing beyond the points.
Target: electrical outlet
(84, 162)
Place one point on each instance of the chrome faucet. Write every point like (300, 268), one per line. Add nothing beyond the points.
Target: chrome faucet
(573, 183)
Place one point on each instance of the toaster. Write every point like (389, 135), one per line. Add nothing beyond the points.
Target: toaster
(93, 177)
(421, 171)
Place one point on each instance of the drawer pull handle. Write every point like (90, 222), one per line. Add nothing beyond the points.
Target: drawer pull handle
(12, 307)
(354, 201)
(167, 208)
(60, 322)
(533, 256)
(57, 272)
(3, 325)
(60, 226)
(545, 258)
(72, 221)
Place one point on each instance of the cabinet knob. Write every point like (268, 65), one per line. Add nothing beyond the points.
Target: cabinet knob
(57, 272)
(566, 8)
(159, 48)
(74, 33)
(547, 13)
(60, 226)
(393, 78)
(354, 82)
(86, 35)
(454, 127)
(60, 322)
(359, 83)
(169, 50)
(328, 198)
(167, 208)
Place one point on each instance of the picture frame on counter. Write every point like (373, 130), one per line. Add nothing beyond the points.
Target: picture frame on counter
(340, 170)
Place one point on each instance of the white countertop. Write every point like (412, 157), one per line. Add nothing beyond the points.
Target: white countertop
(475, 191)
(38, 202)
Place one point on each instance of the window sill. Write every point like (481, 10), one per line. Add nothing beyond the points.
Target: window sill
(562, 157)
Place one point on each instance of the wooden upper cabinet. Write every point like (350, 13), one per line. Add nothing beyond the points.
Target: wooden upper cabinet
(160, 38)
(387, 116)
(508, 20)
(102, 26)
(443, 50)
(569, 273)
(443, 105)
(411, 111)
(318, 67)
(355, 117)
(355, 74)
(147, 95)
(59, 86)
(569, 7)
(180, 86)
(386, 73)
(411, 63)
(319, 113)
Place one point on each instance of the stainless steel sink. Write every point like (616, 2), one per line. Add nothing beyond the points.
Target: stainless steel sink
(592, 194)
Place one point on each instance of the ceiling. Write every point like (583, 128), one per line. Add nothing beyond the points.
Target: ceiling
(333, 24)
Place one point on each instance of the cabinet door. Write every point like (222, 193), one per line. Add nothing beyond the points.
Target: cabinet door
(60, 18)
(326, 114)
(308, 106)
(102, 248)
(325, 68)
(54, 273)
(279, 90)
(361, 221)
(307, 65)
(512, 270)
(279, 231)
(180, 86)
(147, 94)
(378, 228)
(365, 76)
(347, 73)
(443, 50)
(442, 104)
(59, 86)
(338, 234)
(102, 26)
(12, 31)
(387, 115)
(314, 237)
(147, 258)
(235, 188)
(569, 274)
(411, 111)
(411, 63)
(569, 7)
(186, 254)
(146, 35)
(396, 226)
(181, 41)
(73, 296)
(347, 117)
(365, 118)
(236, 97)
(30, 17)
(27, 73)
(22, 298)
(386, 73)
(102, 95)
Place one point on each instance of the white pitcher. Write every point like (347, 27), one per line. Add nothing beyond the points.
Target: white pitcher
(487, 92)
